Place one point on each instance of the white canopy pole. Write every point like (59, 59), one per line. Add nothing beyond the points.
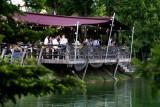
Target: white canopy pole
(77, 31)
(76, 41)
(110, 35)
(130, 56)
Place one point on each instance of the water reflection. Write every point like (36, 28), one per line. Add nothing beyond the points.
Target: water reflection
(130, 93)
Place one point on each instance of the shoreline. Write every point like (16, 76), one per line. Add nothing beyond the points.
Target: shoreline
(107, 78)
(93, 75)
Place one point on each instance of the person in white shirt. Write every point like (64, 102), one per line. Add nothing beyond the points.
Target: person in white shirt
(55, 43)
(110, 42)
(96, 42)
(46, 40)
(63, 40)
(86, 42)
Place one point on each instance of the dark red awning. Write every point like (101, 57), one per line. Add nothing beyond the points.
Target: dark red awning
(55, 20)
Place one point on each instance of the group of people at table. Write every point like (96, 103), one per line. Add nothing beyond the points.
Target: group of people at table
(56, 41)
(62, 41)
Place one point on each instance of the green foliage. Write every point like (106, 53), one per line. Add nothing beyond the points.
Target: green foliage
(33, 35)
(7, 8)
(150, 68)
(9, 29)
(35, 5)
(99, 8)
(29, 35)
(1, 38)
(32, 79)
(154, 60)
(70, 7)
(144, 16)
(49, 32)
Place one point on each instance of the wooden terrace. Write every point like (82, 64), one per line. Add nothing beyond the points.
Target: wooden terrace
(83, 54)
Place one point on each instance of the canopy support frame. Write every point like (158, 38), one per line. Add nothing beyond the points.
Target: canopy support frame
(110, 36)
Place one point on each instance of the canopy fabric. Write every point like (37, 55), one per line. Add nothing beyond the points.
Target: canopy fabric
(55, 20)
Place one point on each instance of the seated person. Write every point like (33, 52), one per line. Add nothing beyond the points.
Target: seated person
(96, 42)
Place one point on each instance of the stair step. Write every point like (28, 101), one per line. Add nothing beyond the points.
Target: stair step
(126, 67)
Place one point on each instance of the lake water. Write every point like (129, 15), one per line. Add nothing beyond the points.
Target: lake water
(129, 93)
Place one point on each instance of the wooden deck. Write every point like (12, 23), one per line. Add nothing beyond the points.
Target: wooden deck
(77, 57)
(61, 61)
(74, 55)
(82, 55)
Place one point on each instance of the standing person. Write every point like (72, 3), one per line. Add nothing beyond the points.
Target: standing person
(110, 42)
(46, 40)
(63, 40)
(113, 43)
(55, 46)
(86, 42)
(50, 40)
(90, 42)
(58, 38)
(96, 42)
(55, 43)
(63, 43)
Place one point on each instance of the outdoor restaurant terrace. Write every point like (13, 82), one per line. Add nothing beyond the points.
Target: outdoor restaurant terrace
(72, 53)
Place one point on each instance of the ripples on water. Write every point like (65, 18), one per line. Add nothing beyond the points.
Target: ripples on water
(131, 93)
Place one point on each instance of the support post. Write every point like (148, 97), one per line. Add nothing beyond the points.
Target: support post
(31, 52)
(110, 74)
(75, 74)
(40, 55)
(87, 61)
(12, 52)
(3, 52)
(76, 41)
(115, 71)
(116, 93)
(67, 53)
(84, 74)
(110, 36)
(85, 31)
(130, 56)
(23, 55)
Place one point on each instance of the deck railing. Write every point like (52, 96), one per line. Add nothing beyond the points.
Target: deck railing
(75, 54)
(79, 53)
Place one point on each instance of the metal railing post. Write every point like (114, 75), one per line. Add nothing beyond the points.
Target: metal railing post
(110, 36)
(40, 55)
(23, 55)
(76, 42)
(67, 53)
(3, 52)
(130, 56)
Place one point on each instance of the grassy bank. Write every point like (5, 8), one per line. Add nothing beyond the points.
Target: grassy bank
(102, 76)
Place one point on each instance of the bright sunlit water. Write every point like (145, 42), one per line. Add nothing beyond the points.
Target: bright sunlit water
(129, 93)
